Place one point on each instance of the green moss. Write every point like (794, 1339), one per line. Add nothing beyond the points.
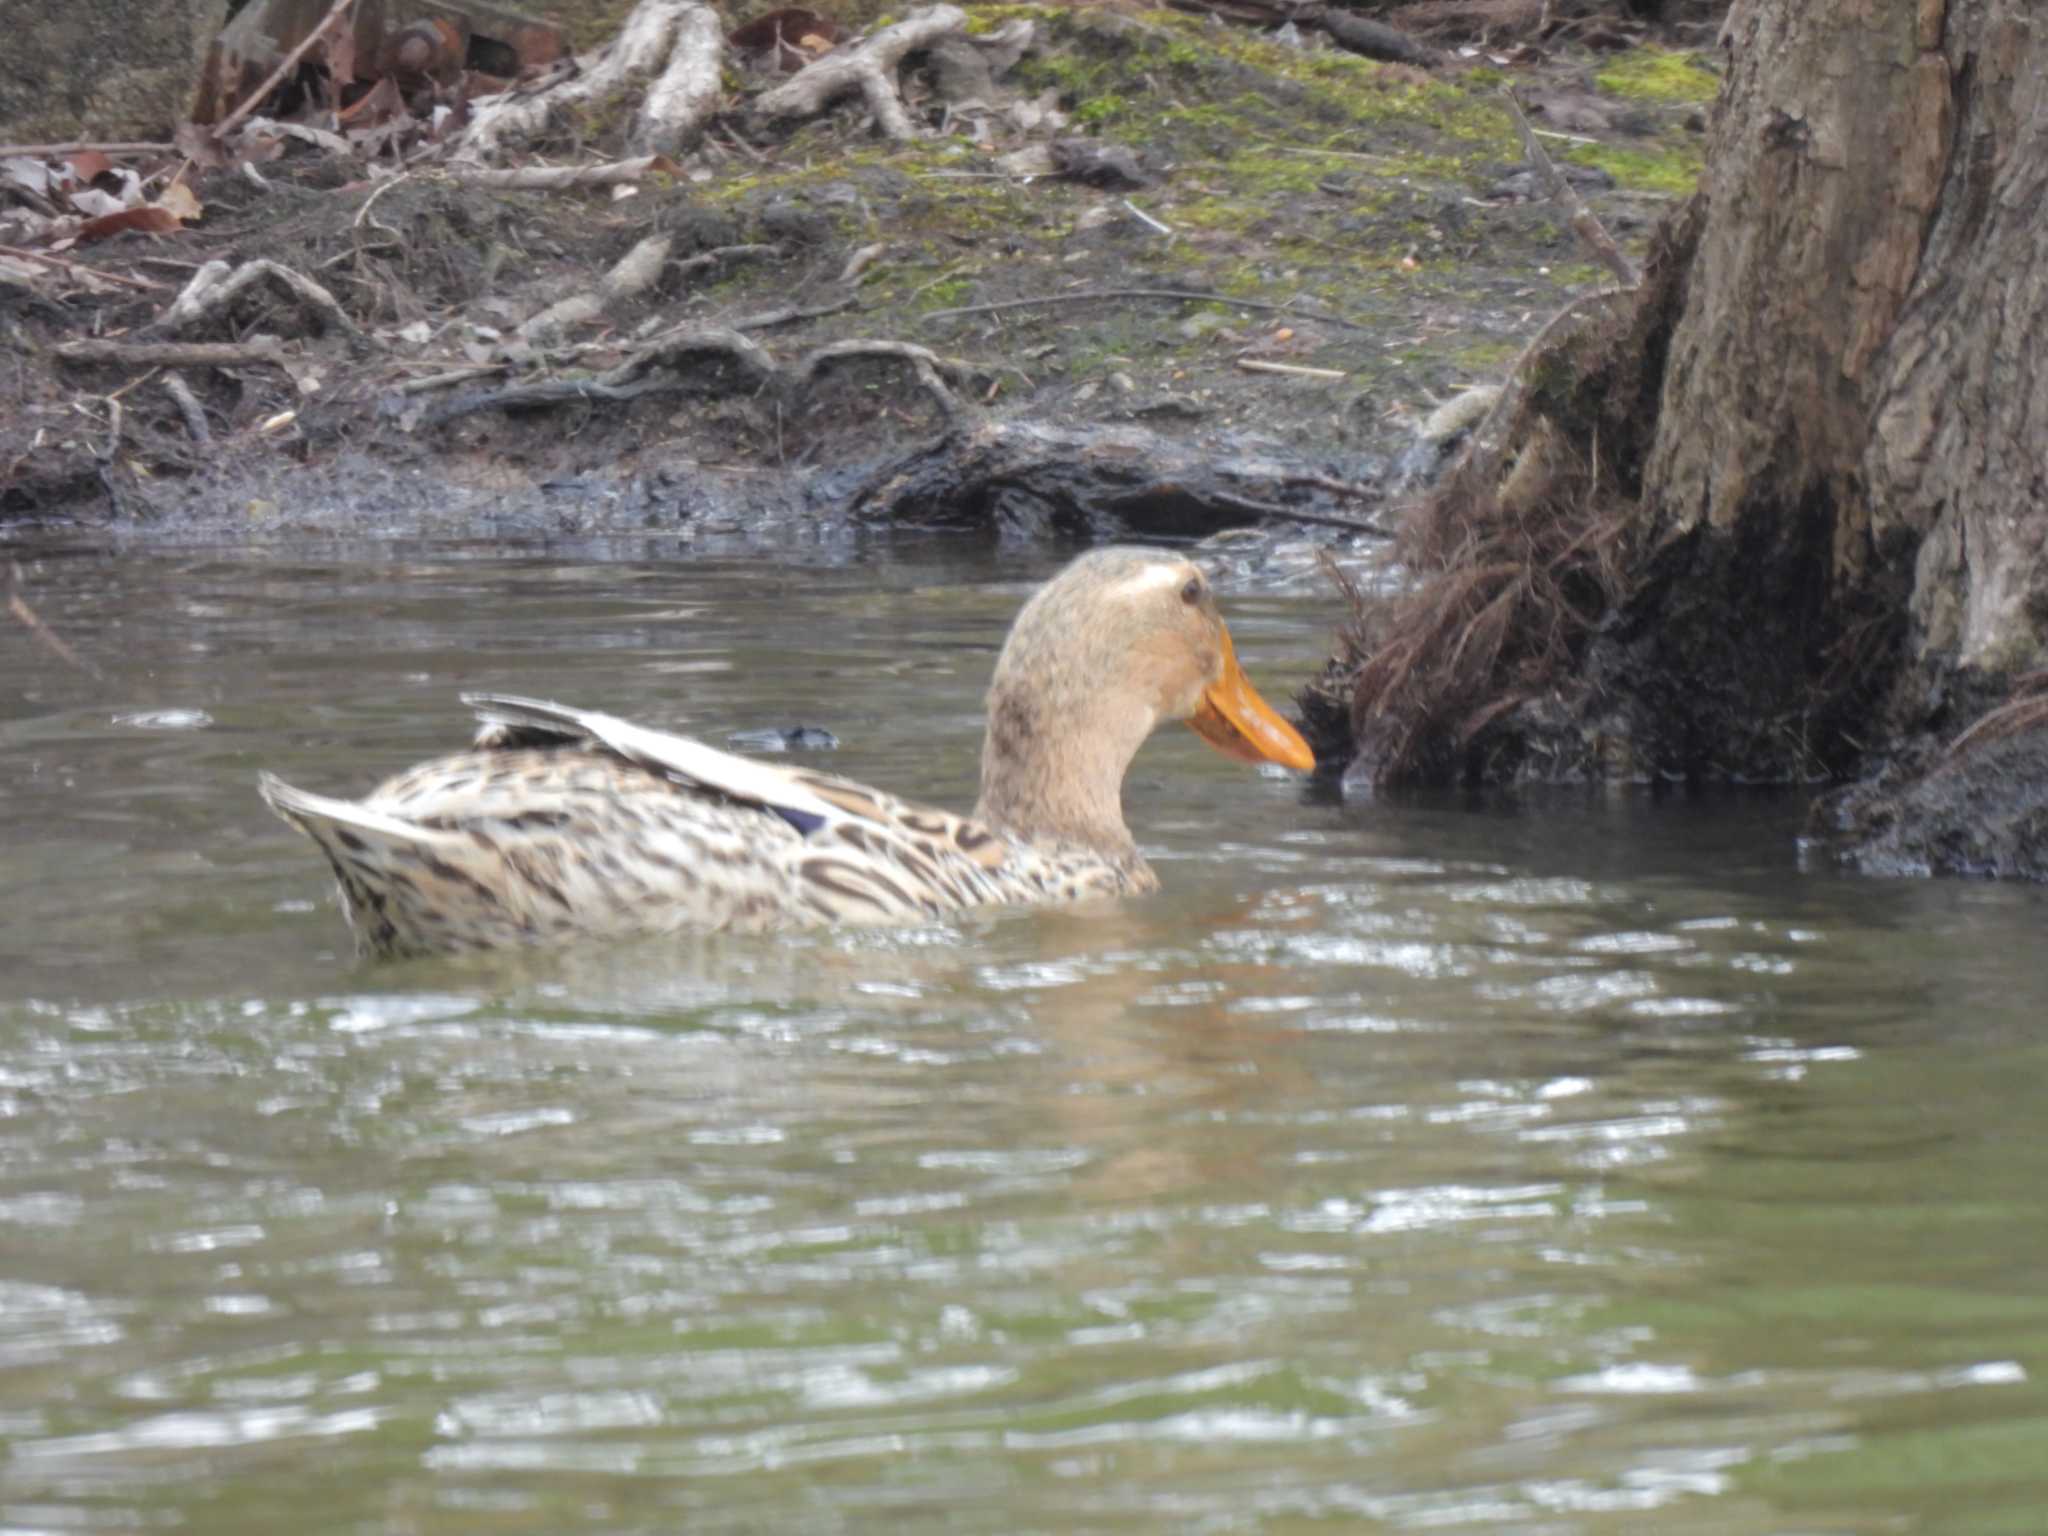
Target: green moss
(1653, 74)
(1485, 358)
(1098, 110)
(945, 295)
(1675, 170)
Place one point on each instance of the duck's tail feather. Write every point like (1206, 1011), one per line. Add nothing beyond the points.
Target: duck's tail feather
(322, 818)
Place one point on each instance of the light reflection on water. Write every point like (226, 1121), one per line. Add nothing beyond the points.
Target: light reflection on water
(1576, 1164)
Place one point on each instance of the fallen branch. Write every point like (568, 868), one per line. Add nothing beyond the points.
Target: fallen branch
(1376, 40)
(81, 146)
(1591, 232)
(175, 354)
(1176, 295)
(868, 67)
(215, 285)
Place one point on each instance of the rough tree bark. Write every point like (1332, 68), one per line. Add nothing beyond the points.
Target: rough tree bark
(1785, 510)
(1865, 316)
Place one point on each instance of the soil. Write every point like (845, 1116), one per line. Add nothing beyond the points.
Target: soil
(1299, 206)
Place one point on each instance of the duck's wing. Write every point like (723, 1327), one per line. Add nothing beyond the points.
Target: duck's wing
(865, 856)
(511, 719)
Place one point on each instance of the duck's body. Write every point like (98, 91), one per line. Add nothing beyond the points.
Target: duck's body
(565, 823)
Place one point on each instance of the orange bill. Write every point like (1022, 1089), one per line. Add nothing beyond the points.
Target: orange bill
(1234, 720)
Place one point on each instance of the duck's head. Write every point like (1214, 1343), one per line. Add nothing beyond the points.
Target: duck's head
(1117, 643)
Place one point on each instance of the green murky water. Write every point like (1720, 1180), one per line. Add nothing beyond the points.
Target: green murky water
(1578, 1166)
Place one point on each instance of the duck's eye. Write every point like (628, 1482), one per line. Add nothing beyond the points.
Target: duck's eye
(1192, 592)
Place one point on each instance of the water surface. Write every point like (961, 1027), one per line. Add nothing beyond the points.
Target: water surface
(1577, 1163)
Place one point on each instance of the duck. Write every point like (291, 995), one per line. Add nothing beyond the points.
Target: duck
(562, 824)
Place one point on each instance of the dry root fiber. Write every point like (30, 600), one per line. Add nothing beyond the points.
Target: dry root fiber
(1516, 575)
(1532, 543)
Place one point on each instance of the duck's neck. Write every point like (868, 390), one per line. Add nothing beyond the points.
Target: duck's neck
(1052, 769)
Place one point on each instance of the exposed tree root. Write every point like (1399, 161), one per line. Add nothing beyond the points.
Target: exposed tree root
(668, 52)
(669, 367)
(549, 178)
(216, 285)
(868, 67)
(2027, 710)
(634, 273)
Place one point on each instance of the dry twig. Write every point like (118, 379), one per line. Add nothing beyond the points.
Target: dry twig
(1177, 295)
(285, 66)
(91, 272)
(82, 146)
(1591, 232)
(1291, 370)
(40, 632)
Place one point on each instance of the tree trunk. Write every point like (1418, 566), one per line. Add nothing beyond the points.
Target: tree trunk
(1789, 503)
(1867, 303)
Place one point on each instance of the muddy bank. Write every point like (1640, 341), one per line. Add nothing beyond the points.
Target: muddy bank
(1293, 253)
(1979, 809)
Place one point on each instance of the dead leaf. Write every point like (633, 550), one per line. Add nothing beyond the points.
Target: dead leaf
(94, 203)
(793, 35)
(379, 105)
(321, 138)
(149, 219)
(179, 201)
(31, 176)
(88, 164)
(258, 146)
(196, 144)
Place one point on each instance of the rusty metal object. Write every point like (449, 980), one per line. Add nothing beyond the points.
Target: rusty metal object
(407, 41)
(434, 49)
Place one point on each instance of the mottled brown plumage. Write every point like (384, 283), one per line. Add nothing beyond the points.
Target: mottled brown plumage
(565, 823)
